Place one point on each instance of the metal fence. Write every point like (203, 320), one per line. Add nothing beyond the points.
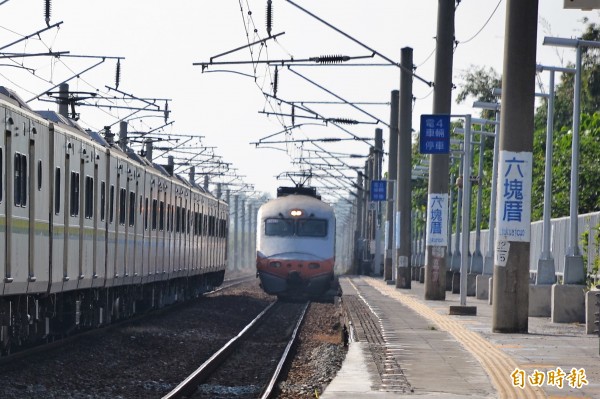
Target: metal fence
(588, 222)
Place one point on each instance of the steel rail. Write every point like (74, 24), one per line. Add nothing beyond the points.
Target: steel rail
(268, 391)
(190, 384)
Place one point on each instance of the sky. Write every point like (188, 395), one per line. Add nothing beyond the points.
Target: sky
(225, 105)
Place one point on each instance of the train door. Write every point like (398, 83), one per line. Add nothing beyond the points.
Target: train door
(3, 200)
(195, 236)
(120, 221)
(208, 236)
(221, 224)
(211, 233)
(101, 187)
(151, 229)
(58, 147)
(146, 242)
(203, 232)
(39, 208)
(139, 252)
(161, 239)
(177, 236)
(87, 180)
(168, 237)
(17, 270)
(130, 224)
(220, 235)
(73, 185)
(162, 228)
(112, 218)
(185, 265)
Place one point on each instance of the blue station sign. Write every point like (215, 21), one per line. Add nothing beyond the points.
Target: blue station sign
(435, 134)
(378, 190)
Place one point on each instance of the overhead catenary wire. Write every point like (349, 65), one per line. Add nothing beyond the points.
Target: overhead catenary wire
(483, 27)
(429, 83)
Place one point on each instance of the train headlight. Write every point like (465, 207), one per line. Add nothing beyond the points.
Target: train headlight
(275, 264)
(296, 213)
(314, 266)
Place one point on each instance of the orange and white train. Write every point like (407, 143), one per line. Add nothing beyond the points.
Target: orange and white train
(295, 249)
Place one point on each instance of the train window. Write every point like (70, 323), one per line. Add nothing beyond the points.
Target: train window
(223, 228)
(111, 204)
(122, 201)
(170, 218)
(89, 197)
(279, 227)
(161, 216)
(146, 214)
(154, 212)
(39, 175)
(57, 191)
(20, 186)
(187, 221)
(177, 218)
(211, 227)
(311, 227)
(1, 176)
(74, 198)
(131, 208)
(102, 199)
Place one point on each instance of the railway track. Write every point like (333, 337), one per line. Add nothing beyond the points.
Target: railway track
(63, 341)
(251, 363)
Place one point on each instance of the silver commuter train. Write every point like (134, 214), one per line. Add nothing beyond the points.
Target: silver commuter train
(91, 232)
(295, 245)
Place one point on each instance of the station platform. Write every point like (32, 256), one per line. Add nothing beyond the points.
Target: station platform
(404, 346)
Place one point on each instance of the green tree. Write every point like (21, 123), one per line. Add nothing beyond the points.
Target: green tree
(478, 84)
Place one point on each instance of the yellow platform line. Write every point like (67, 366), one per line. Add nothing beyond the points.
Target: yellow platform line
(497, 364)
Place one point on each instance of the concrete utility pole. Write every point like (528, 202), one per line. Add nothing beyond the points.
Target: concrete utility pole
(250, 242)
(403, 190)
(243, 238)
(435, 268)
(228, 251)
(510, 303)
(359, 220)
(392, 176)
(236, 257)
(378, 153)
(368, 226)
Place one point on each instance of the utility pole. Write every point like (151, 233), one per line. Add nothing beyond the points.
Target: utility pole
(228, 199)
(243, 238)
(510, 303)
(392, 176)
(378, 153)
(250, 242)
(368, 224)
(435, 267)
(236, 222)
(359, 220)
(403, 188)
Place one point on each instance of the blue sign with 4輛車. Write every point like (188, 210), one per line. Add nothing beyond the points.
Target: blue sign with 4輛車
(435, 134)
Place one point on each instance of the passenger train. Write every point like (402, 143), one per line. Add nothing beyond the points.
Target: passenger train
(91, 232)
(295, 248)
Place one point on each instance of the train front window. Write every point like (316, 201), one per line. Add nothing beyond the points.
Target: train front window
(279, 227)
(312, 228)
